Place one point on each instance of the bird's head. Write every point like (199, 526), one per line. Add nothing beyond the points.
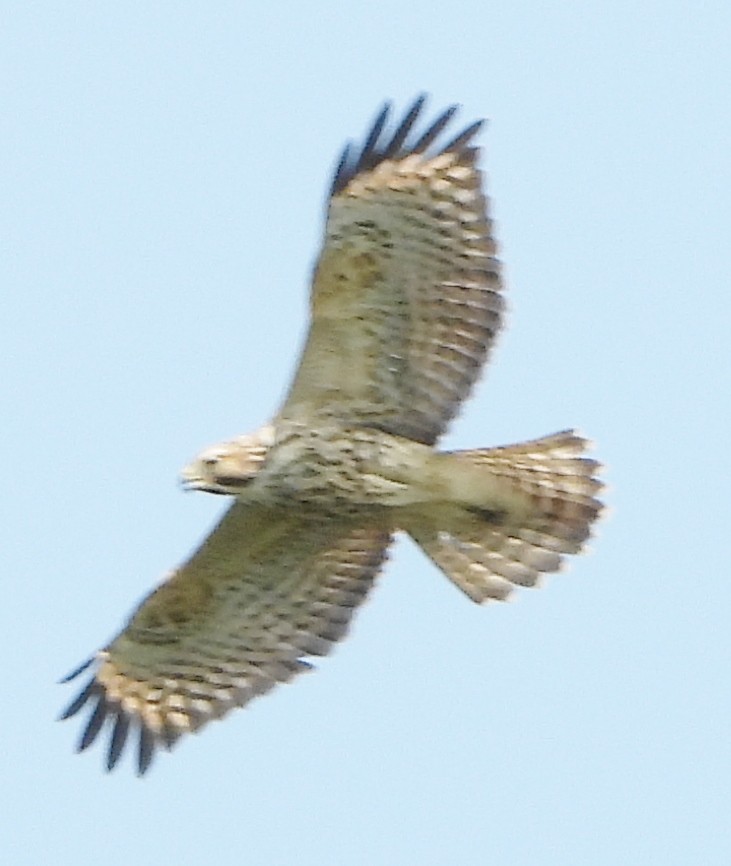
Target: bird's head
(228, 468)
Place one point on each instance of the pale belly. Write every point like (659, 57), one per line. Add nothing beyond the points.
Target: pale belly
(339, 466)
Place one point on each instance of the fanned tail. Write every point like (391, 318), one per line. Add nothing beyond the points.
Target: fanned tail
(538, 504)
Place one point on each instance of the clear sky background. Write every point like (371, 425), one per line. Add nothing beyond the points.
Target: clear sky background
(163, 175)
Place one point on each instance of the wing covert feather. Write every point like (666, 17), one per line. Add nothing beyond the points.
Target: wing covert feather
(406, 296)
(264, 590)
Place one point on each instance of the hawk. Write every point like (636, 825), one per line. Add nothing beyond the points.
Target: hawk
(406, 303)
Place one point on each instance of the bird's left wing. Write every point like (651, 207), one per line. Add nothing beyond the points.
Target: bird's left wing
(267, 588)
(406, 296)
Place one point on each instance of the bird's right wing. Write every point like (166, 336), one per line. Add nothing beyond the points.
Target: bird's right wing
(267, 588)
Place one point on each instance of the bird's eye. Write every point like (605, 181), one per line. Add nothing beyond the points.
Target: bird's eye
(233, 481)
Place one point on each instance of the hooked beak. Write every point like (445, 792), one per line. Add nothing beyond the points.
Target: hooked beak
(191, 479)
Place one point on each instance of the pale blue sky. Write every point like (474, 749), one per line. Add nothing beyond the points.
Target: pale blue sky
(163, 173)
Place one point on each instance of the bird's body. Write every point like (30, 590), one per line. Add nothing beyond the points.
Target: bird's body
(325, 464)
(406, 302)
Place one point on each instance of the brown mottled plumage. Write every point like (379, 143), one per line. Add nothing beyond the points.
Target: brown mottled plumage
(406, 303)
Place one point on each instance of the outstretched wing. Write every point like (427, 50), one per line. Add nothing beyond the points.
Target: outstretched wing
(264, 590)
(406, 296)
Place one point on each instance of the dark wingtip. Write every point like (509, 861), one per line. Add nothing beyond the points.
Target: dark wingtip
(370, 154)
(465, 137)
(434, 130)
(405, 127)
(380, 146)
(86, 694)
(94, 725)
(146, 751)
(79, 670)
(341, 170)
(119, 738)
(93, 692)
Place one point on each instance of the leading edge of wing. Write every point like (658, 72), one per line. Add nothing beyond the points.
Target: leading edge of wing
(381, 144)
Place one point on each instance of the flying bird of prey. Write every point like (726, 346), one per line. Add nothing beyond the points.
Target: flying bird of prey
(406, 302)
